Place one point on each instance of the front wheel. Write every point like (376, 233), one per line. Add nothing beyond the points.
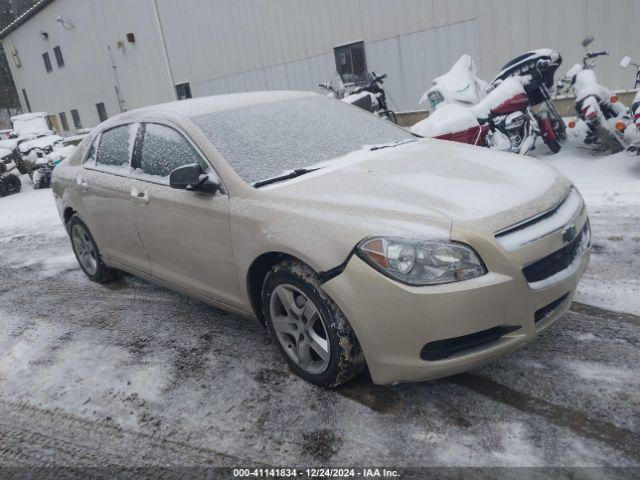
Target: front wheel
(309, 328)
(553, 145)
(9, 184)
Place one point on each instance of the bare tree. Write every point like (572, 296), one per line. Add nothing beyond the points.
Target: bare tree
(9, 11)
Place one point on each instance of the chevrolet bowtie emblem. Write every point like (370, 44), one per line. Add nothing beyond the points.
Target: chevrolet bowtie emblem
(569, 233)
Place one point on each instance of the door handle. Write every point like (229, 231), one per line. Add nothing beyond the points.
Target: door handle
(82, 183)
(139, 197)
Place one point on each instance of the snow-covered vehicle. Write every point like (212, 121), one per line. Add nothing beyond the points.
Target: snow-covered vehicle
(632, 131)
(501, 120)
(459, 85)
(46, 162)
(31, 125)
(9, 181)
(367, 94)
(596, 105)
(414, 258)
(540, 67)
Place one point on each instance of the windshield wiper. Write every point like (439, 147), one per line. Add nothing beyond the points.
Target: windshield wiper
(296, 173)
(392, 144)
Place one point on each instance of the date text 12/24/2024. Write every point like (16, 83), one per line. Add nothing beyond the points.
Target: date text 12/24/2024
(314, 473)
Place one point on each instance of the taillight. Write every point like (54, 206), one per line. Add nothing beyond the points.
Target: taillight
(614, 98)
(620, 126)
(571, 124)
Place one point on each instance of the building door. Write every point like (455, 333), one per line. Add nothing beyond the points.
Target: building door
(53, 121)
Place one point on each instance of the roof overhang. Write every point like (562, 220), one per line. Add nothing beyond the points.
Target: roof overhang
(24, 17)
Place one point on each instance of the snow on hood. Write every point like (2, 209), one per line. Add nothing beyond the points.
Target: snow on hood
(430, 179)
(40, 142)
(9, 144)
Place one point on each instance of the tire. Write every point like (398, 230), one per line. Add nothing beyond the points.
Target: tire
(87, 253)
(312, 326)
(9, 184)
(553, 145)
(40, 181)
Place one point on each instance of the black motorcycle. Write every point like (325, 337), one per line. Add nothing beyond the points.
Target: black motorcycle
(367, 94)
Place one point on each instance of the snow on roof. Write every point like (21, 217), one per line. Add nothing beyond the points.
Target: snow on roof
(215, 103)
(24, 17)
(28, 116)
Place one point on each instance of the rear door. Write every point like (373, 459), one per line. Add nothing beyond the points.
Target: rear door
(108, 209)
(185, 233)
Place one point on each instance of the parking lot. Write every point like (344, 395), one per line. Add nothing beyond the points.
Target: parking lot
(130, 373)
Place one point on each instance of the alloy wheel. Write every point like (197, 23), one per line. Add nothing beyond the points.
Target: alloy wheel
(300, 328)
(85, 249)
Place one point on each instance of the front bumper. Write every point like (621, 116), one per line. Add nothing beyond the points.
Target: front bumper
(394, 322)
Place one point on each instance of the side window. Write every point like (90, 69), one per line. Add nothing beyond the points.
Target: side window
(90, 159)
(115, 148)
(163, 150)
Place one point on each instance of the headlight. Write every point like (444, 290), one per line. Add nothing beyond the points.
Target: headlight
(421, 262)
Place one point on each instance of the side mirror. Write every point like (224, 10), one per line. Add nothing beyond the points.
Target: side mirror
(587, 41)
(625, 62)
(192, 177)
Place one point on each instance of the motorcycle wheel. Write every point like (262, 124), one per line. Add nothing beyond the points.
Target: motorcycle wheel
(9, 184)
(553, 145)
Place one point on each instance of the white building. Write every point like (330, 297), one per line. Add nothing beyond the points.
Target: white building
(85, 59)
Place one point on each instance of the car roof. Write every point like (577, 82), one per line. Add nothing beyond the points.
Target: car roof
(202, 105)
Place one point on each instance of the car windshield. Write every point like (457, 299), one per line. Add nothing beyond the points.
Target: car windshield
(265, 140)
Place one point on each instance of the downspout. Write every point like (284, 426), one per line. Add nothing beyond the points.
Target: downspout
(165, 54)
(121, 104)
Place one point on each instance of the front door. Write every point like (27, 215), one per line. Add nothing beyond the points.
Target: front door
(185, 234)
(107, 206)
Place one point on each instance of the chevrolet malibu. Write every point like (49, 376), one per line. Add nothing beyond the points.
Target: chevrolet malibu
(355, 243)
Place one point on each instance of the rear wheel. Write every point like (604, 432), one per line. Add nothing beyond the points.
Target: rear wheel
(87, 253)
(9, 184)
(308, 327)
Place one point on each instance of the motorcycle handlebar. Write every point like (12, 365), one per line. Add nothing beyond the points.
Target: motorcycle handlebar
(597, 54)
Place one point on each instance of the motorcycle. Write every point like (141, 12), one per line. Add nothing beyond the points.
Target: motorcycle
(368, 95)
(459, 85)
(9, 182)
(632, 131)
(539, 66)
(502, 119)
(596, 106)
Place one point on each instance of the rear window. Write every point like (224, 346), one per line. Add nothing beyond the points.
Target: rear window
(265, 140)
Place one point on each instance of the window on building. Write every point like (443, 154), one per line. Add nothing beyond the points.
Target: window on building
(76, 119)
(183, 90)
(47, 62)
(114, 148)
(164, 150)
(63, 121)
(102, 112)
(351, 62)
(26, 100)
(59, 58)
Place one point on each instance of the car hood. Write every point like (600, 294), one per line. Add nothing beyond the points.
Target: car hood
(429, 181)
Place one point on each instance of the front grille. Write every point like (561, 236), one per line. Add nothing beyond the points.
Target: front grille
(547, 310)
(553, 263)
(441, 349)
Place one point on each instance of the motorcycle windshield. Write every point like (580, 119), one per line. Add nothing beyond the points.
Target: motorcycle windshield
(459, 85)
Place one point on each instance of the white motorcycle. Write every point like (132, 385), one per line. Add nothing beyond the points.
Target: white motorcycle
(596, 106)
(632, 132)
(462, 112)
